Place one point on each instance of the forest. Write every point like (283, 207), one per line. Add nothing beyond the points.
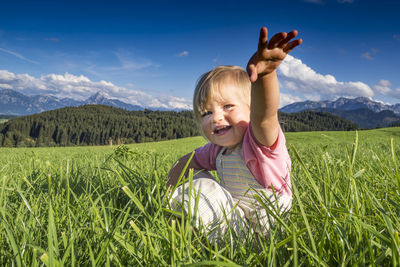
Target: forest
(306, 121)
(104, 125)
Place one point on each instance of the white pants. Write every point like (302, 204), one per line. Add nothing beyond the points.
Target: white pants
(217, 210)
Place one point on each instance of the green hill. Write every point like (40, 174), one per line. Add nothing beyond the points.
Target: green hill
(366, 118)
(96, 125)
(102, 125)
(307, 120)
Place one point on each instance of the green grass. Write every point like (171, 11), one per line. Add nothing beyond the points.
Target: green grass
(80, 206)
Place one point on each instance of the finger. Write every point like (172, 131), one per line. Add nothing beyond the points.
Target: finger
(252, 72)
(276, 39)
(263, 39)
(289, 47)
(286, 40)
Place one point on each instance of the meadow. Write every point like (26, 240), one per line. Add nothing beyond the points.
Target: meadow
(81, 206)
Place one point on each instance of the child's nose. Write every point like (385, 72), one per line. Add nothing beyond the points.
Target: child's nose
(217, 116)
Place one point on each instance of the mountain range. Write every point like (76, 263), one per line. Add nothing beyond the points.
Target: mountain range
(363, 111)
(15, 103)
(342, 104)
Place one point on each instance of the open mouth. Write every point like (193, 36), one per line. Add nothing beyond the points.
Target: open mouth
(222, 130)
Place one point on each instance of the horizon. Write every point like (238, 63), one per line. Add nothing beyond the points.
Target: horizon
(104, 94)
(151, 54)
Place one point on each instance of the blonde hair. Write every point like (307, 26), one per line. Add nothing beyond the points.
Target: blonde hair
(210, 82)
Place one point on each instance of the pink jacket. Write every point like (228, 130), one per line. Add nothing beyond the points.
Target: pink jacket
(270, 167)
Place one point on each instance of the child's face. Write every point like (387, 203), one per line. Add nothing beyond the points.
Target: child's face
(227, 116)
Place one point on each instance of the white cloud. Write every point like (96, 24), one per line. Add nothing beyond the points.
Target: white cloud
(18, 56)
(314, 97)
(396, 37)
(367, 55)
(345, 1)
(299, 78)
(370, 54)
(287, 99)
(81, 87)
(5, 86)
(183, 54)
(131, 85)
(129, 62)
(383, 87)
(6, 75)
(178, 102)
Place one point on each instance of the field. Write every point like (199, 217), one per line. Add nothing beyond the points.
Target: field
(81, 206)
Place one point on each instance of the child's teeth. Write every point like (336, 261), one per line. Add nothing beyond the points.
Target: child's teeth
(220, 129)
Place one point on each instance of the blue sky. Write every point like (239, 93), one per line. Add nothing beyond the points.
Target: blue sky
(152, 52)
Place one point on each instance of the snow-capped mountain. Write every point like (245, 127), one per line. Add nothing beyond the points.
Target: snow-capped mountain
(15, 103)
(103, 99)
(363, 111)
(343, 104)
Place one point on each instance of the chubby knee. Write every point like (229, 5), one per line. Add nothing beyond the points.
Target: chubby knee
(206, 184)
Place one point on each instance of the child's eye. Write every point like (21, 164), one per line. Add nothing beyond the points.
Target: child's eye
(206, 113)
(229, 106)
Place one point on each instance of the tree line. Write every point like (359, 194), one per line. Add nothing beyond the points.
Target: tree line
(305, 121)
(103, 125)
(96, 125)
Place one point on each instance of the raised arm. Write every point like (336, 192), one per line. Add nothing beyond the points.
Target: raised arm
(265, 88)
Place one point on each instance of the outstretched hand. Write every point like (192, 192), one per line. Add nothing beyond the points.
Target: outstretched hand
(270, 54)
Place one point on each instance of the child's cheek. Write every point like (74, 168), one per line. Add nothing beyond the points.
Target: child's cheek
(204, 124)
